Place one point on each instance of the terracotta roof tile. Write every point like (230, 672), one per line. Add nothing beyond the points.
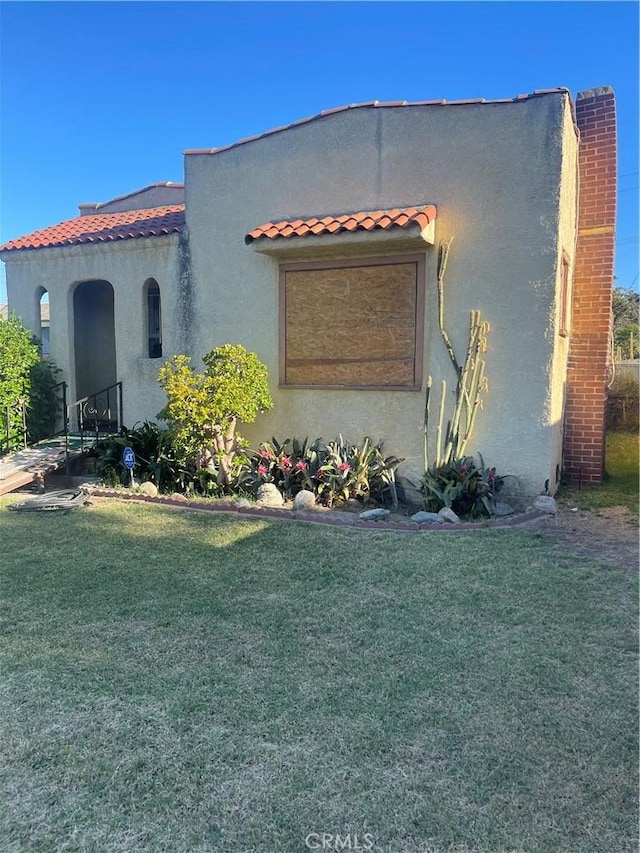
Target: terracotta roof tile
(366, 220)
(104, 228)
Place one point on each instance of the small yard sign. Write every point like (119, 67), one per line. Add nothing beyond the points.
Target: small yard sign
(129, 459)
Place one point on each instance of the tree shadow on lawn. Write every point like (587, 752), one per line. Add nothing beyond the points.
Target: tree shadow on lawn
(218, 683)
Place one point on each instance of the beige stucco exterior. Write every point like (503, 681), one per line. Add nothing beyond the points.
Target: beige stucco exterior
(503, 179)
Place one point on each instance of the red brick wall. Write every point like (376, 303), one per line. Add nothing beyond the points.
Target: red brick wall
(590, 341)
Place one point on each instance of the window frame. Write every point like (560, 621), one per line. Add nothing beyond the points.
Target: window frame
(154, 342)
(348, 263)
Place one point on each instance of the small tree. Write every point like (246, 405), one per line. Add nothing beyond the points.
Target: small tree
(18, 355)
(203, 409)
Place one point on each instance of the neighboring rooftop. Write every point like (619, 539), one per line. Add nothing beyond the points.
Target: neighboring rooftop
(104, 228)
(154, 195)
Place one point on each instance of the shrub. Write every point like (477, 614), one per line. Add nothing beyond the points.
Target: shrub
(203, 409)
(158, 462)
(464, 487)
(337, 471)
(44, 409)
(27, 387)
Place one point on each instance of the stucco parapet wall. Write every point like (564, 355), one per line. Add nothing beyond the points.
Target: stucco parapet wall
(524, 519)
(538, 93)
(89, 250)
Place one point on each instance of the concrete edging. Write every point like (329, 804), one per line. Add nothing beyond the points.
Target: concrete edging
(523, 519)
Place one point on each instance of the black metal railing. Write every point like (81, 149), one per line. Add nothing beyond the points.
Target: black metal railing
(96, 415)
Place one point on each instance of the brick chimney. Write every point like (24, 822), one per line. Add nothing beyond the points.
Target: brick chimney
(590, 343)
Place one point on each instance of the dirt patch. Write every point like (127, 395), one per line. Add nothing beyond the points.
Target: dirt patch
(609, 534)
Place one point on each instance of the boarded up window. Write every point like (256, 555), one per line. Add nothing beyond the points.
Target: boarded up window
(357, 324)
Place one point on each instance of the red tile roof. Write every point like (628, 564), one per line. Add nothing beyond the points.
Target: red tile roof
(104, 228)
(367, 220)
(381, 105)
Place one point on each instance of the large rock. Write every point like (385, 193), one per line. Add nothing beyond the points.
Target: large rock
(268, 495)
(546, 503)
(374, 514)
(500, 509)
(430, 517)
(304, 500)
(149, 489)
(448, 514)
(242, 503)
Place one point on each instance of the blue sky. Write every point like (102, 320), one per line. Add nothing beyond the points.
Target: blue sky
(99, 99)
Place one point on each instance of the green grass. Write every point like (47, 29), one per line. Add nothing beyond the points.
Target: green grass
(175, 681)
(622, 470)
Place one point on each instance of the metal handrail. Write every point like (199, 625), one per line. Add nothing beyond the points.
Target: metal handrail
(99, 410)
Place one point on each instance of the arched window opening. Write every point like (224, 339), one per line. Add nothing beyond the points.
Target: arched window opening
(44, 331)
(154, 319)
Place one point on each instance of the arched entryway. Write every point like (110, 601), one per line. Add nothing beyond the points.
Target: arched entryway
(94, 337)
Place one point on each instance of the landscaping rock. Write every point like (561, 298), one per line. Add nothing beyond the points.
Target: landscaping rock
(449, 515)
(428, 517)
(304, 500)
(501, 509)
(546, 503)
(268, 495)
(149, 489)
(242, 503)
(177, 496)
(374, 514)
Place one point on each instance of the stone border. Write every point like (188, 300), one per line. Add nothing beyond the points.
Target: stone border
(523, 519)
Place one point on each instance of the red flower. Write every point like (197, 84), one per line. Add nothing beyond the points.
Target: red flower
(300, 465)
(286, 462)
(344, 467)
(319, 472)
(264, 454)
(262, 469)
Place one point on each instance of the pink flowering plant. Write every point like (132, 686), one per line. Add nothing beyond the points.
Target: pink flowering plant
(335, 471)
(467, 488)
(287, 464)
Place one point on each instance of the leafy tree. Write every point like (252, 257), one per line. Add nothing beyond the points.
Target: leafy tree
(625, 305)
(203, 409)
(18, 355)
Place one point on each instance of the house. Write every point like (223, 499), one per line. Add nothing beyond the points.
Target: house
(315, 245)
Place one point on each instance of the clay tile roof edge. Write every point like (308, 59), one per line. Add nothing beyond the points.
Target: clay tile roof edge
(367, 220)
(102, 228)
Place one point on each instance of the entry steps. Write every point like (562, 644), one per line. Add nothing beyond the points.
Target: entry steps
(33, 463)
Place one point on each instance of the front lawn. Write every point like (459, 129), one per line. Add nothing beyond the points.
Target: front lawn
(176, 681)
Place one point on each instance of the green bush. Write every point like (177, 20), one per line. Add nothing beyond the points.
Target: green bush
(203, 409)
(44, 409)
(462, 486)
(159, 461)
(26, 387)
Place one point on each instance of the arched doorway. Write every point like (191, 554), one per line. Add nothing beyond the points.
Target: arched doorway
(94, 337)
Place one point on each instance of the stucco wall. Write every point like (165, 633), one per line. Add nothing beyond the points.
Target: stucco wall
(126, 266)
(495, 173)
